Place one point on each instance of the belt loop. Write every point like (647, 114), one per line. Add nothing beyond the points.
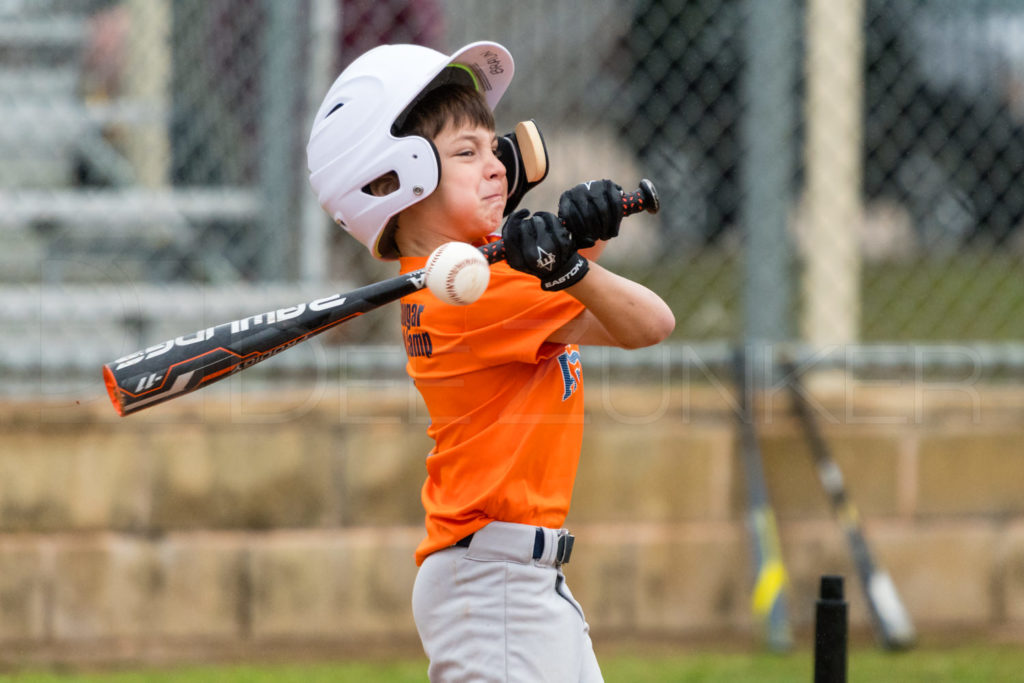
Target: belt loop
(538, 544)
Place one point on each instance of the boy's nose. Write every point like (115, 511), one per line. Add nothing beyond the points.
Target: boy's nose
(494, 167)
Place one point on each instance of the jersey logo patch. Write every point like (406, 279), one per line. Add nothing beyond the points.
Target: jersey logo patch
(572, 372)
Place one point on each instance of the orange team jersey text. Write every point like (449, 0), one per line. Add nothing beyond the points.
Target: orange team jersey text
(506, 406)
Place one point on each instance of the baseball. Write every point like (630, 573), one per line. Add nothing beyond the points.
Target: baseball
(457, 273)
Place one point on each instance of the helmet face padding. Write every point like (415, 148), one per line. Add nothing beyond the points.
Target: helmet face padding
(354, 138)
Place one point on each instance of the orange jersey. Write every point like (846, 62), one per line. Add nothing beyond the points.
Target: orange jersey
(506, 406)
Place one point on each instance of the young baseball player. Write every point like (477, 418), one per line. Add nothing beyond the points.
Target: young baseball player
(403, 156)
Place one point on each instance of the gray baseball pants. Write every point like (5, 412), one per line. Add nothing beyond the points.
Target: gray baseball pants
(491, 612)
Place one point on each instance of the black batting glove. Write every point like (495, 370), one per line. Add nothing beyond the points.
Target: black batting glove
(591, 211)
(541, 246)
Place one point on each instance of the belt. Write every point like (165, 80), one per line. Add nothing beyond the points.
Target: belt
(563, 550)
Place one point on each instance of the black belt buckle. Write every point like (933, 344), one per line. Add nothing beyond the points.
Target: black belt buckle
(564, 552)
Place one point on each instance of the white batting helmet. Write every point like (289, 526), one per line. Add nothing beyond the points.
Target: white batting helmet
(352, 142)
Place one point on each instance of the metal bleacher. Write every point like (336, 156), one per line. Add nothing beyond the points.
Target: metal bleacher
(80, 260)
(51, 136)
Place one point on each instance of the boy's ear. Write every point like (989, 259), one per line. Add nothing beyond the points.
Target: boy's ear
(384, 185)
(525, 157)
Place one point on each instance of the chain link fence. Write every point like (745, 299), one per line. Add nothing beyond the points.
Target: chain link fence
(832, 172)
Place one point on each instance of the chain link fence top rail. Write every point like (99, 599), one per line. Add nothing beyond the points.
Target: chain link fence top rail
(830, 172)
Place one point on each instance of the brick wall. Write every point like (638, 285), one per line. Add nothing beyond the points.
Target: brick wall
(232, 524)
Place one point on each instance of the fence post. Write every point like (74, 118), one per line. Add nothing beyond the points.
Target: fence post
(768, 126)
(832, 206)
(279, 96)
(314, 247)
(147, 81)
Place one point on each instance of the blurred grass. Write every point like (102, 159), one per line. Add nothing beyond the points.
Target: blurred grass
(965, 664)
(969, 295)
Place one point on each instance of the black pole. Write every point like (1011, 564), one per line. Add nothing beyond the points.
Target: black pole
(830, 632)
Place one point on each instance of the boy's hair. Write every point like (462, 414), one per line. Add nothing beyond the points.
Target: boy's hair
(449, 104)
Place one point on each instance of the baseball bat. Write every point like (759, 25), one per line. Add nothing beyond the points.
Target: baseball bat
(890, 619)
(768, 601)
(184, 364)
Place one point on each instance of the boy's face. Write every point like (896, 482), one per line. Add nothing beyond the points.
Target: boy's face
(468, 202)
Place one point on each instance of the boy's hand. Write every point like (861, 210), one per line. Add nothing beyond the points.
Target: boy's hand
(541, 246)
(591, 211)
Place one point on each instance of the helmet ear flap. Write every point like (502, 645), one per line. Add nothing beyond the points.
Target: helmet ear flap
(424, 184)
(437, 161)
(418, 165)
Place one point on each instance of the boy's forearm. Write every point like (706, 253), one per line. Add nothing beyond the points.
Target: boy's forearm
(632, 315)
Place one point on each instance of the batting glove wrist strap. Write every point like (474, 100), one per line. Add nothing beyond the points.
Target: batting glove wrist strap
(541, 246)
(569, 275)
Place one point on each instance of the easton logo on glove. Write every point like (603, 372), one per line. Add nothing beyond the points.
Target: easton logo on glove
(541, 246)
(575, 273)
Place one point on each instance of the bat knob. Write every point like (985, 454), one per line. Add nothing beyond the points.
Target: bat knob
(650, 195)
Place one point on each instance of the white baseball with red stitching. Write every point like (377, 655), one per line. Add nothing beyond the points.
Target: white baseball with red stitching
(457, 273)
